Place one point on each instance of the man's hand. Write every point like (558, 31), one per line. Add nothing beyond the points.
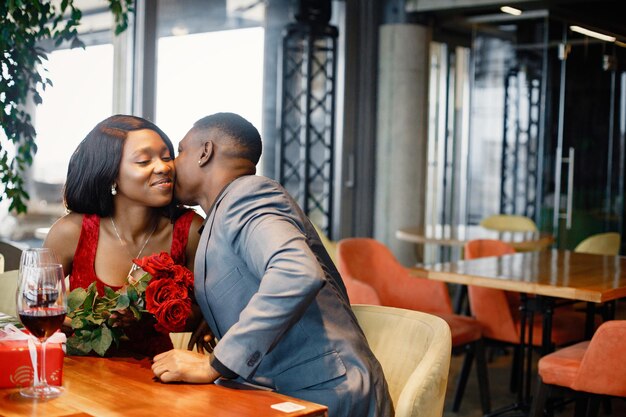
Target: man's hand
(202, 338)
(183, 365)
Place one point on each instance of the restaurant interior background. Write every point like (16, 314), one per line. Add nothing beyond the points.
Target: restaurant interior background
(428, 112)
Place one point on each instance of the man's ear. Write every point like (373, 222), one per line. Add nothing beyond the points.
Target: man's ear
(207, 153)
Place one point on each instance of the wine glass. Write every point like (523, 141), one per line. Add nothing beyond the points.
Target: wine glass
(38, 256)
(41, 306)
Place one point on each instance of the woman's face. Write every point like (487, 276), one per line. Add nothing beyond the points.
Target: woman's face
(146, 171)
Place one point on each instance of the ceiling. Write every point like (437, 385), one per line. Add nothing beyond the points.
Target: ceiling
(601, 15)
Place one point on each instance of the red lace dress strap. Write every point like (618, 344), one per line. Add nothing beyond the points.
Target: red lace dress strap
(83, 270)
(180, 236)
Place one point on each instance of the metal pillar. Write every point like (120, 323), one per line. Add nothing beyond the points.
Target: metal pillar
(307, 116)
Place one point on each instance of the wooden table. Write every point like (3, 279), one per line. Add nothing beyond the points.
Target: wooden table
(553, 273)
(458, 236)
(125, 387)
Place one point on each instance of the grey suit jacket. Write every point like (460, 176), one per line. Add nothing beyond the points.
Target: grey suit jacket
(273, 297)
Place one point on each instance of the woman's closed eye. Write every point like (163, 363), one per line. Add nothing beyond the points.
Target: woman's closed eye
(166, 158)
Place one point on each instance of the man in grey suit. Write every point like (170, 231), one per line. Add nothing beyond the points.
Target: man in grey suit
(266, 285)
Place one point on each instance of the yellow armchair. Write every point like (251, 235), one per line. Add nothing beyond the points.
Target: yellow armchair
(509, 223)
(413, 349)
(8, 288)
(600, 244)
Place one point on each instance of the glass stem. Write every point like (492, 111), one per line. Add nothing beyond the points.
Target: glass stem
(42, 378)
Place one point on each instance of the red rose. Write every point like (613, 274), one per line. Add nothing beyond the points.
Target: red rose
(172, 315)
(160, 291)
(183, 276)
(159, 266)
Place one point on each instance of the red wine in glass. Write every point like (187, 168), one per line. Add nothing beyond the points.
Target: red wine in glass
(43, 323)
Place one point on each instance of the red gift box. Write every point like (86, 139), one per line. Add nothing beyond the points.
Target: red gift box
(16, 368)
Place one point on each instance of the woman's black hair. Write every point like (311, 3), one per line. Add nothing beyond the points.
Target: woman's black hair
(95, 165)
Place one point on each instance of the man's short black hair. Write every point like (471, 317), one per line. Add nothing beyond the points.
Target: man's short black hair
(242, 132)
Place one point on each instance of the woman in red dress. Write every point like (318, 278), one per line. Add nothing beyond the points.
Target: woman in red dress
(119, 194)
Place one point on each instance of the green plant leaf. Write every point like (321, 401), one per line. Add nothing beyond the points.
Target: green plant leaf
(25, 26)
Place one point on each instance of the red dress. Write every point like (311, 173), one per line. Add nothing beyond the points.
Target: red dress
(143, 338)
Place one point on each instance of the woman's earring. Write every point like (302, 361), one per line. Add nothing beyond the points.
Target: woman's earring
(114, 189)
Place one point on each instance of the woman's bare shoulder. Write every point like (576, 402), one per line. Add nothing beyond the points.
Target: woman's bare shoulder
(66, 229)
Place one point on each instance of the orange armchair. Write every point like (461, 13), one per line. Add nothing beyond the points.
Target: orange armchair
(594, 367)
(367, 263)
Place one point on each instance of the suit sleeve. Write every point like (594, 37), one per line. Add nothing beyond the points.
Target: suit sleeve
(264, 230)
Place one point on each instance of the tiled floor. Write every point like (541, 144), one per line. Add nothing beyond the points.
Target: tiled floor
(499, 377)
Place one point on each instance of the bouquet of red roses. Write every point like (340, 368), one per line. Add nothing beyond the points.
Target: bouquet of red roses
(99, 320)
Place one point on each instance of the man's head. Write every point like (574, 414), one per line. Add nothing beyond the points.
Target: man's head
(216, 150)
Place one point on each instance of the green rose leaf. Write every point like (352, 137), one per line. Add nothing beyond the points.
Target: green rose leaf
(76, 298)
(109, 293)
(136, 313)
(101, 340)
(79, 345)
(122, 302)
(77, 323)
(132, 294)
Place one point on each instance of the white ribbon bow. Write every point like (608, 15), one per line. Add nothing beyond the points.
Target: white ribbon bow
(10, 333)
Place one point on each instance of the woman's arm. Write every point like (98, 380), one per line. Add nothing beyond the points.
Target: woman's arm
(63, 239)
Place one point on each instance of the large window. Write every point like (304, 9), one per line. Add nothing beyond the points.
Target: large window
(209, 60)
(81, 97)
(206, 73)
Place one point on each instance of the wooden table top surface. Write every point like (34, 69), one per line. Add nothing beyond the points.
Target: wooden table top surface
(555, 273)
(460, 235)
(125, 387)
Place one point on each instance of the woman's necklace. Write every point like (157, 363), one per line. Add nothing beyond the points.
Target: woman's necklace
(133, 266)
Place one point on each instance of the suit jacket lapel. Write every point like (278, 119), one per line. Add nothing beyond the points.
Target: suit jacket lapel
(200, 263)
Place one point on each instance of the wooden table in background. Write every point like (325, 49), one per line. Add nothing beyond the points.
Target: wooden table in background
(125, 387)
(548, 275)
(553, 273)
(460, 235)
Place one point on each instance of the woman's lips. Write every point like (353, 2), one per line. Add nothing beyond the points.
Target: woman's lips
(165, 183)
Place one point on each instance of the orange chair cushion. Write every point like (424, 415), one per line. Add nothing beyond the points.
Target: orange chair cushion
(561, 367)
(360, 292)
(464, 329)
